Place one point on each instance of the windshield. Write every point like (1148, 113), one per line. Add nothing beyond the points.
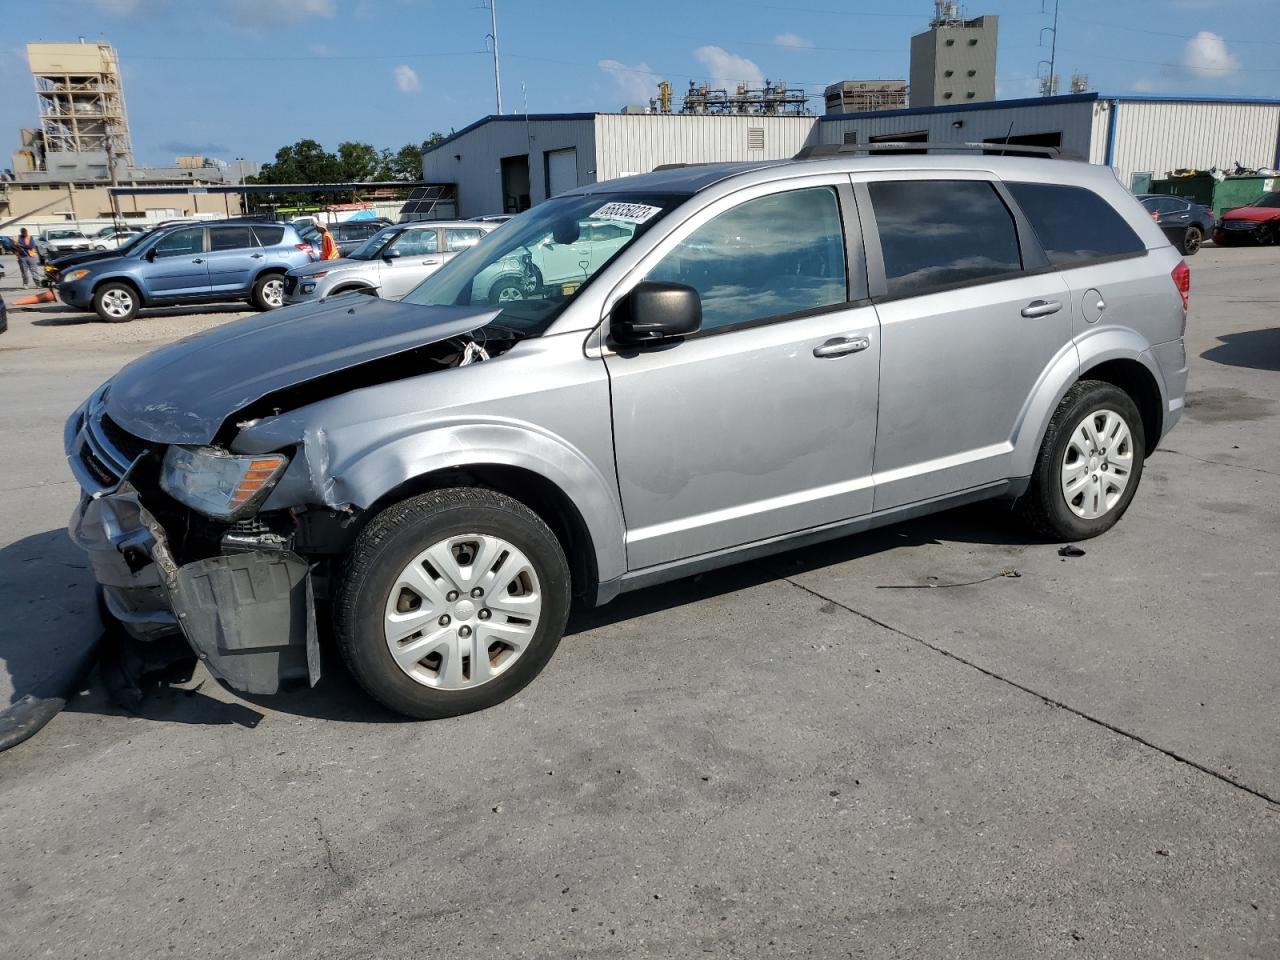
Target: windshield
(1267, 200)
(535, 265)
(370, 249)
(64, 234)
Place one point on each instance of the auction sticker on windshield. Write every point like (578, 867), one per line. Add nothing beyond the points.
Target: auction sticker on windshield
(629, 212)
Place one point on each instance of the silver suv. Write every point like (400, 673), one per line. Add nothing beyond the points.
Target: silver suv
(777, 354)
(390, 263)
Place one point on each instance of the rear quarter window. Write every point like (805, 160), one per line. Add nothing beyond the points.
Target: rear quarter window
(269, 236)
(1074, 225)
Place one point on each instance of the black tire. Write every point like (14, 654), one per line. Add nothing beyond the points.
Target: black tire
(263, 294)
(116, 302)
(1191, 242)
(1265, 235)
(512, 283)
(1044, 507)
(390, 542)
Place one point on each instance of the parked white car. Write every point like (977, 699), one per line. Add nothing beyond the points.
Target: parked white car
(58, 240)
(112, 238)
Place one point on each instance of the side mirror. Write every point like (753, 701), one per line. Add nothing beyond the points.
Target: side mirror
(392, 255)
(654, 311)
(151, 255)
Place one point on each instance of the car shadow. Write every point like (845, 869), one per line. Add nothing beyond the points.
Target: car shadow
(338, 697)
(1252, 349)
(50, 625)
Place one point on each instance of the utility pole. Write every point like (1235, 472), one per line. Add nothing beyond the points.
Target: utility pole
(497, 76)
(1053, 47)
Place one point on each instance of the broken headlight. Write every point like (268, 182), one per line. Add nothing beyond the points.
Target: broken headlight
(219, 484)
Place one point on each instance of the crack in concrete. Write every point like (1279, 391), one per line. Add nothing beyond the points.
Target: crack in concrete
(328, 849)
(1097, 721)
(1220, 463)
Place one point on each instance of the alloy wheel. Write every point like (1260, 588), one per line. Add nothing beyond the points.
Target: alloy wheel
(1097, 464)
(462, 612)
(117, 303)
(273, 293)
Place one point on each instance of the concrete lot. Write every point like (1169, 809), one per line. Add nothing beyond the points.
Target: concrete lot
(780, 759)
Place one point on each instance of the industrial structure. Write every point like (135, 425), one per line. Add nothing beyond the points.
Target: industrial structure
(80, 100)
(860, 96)
(954, 61)
(772, 99)
(507, 163)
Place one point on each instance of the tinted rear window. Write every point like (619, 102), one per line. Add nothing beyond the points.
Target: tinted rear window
(269, 236)
(1074, 225)
(939, 233)
(230, 238)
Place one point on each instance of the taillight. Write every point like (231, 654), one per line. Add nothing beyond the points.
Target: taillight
(308, 249)
(1182, 280)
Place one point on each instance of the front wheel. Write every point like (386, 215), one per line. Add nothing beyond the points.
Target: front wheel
(451, 602)
(268, 292)
(115, 303)
(1089, 464)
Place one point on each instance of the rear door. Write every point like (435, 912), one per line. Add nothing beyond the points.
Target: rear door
(179, 268)
(419, 256)
(971, 318)
(764, 422)
(232, 258)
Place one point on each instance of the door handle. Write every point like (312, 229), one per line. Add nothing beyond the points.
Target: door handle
(839, 346)
(1041, 308)
(429, 263)
(198, 260)
(257, 256)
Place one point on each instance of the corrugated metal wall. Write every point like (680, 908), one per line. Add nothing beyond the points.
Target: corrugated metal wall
(1074, 120)
(474, 160)
(629, 144)
(1158, 137)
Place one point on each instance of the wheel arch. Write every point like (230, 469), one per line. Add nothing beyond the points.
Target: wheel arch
(124, 279)
(1135, 379)
(535, 491)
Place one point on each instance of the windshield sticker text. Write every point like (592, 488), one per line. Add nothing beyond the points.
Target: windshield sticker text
(629, 212)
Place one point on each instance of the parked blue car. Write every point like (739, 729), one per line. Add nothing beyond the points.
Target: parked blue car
(191, 263)
(1186, 224)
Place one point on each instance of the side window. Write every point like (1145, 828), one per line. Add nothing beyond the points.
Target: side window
(269, 236)
(1074, 225)
(938, 233)
(231, 238)
(767, 257)
(414, 243)
(182, 243)
(455, 240)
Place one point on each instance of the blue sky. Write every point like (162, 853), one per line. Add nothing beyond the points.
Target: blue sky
(239, 78)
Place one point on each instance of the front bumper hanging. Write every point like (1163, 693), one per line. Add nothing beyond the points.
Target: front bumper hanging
(249, 616)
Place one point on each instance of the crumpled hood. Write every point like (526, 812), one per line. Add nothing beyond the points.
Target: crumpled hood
(184, 392)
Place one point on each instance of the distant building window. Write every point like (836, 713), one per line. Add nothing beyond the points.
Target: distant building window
(970, 95)
(947, 95)
(973, 42)
(755, 138)
(951, 43)
(973, 73)
(851, 136)
(947, 73)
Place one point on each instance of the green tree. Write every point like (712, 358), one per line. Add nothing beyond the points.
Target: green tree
(359, 161)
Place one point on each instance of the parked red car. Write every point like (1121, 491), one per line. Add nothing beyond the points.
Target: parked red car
(1257, 223)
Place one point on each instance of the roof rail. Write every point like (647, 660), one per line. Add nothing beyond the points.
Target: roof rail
(817, 150)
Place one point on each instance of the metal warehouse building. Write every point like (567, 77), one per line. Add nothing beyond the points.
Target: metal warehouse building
(507, 163)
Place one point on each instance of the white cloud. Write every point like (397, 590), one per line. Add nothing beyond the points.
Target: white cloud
(254, 14)
(407, 79)
(634, 81)
(1206, 57)
(791, 41)
(1145, 86)
(725, 67)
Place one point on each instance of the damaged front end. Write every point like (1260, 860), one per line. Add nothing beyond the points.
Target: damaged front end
(237, 591)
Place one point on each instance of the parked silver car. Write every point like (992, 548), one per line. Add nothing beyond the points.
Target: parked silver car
(778, 354)
(390, 263)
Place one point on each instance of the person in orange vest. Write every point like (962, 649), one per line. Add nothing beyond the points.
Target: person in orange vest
(328, 249)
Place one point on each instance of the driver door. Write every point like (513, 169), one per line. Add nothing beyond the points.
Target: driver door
(180, 267)
(764, 422)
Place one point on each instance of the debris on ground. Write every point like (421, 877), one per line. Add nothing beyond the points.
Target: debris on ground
(1070, 550)
(934, 583)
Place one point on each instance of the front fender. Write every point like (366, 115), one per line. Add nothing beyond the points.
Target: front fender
(362, 476)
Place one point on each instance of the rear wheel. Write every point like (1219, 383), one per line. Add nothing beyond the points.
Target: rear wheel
(268, 292)
(1191, 241)
(1089, 464)
(507, 289)
(1266, 235)
(115, 303)
(451, 602)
